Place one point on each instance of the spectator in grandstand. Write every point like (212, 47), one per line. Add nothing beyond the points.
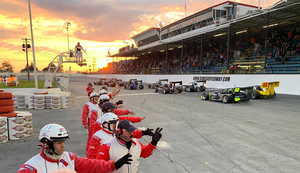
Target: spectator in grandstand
(298, 50)
(277, 57)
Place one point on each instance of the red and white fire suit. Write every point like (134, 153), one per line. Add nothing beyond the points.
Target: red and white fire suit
(116, 148)
(69, 161)
(86, 114)
(100, 138)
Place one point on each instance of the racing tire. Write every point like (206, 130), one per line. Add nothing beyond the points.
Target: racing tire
(6, 95)
(4, 109)
(7, 102)
(204, 96)
(155, 90)
(142, 87)
(201, 88)
(254, 95)
(225, 99)
(244, 97)
(149, 86)
(274, 93)
(8, 114)
(188, 89)
(179, 90)
(164, 91)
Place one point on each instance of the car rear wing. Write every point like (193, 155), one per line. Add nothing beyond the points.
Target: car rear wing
(163, 80)
(180, 82)
(269, 86)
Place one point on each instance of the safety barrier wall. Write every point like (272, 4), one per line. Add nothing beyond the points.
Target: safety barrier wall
(289, 83)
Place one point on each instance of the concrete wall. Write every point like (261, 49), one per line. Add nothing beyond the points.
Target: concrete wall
(289, 84)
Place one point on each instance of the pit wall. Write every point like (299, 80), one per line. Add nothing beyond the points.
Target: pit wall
(289, 83)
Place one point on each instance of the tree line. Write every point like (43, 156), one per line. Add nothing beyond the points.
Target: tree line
(6, 66)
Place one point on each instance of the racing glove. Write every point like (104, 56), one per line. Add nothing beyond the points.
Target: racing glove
(119, 102)
(156, 136)
(124, 160)
(147, 132)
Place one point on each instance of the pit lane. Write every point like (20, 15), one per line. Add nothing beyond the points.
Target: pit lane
(199, 136)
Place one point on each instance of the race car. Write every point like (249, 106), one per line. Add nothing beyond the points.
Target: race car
(228, 95)
(111, 82)
(172, 87)
(160, 82)
(265, 90)
(193, 86)
(100, 82)
(134, 84)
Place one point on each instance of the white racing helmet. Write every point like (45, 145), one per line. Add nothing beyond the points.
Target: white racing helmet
(102, 91)
(107, 121)
(103, 98)
(53, 132)
(93, 95)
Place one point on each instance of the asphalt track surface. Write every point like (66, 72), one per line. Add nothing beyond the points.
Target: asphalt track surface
(259, 136)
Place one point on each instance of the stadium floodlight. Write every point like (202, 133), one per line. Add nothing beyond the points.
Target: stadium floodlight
(160, 25)
(219, 34)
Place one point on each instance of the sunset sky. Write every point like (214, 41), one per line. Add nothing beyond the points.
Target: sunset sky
(98, 25)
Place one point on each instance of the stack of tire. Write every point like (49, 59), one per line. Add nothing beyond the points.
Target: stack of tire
(48, 101)
(7, 109)
(55, 102)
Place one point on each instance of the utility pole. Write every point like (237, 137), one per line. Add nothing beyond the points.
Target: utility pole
(26, 46)
(94, 64)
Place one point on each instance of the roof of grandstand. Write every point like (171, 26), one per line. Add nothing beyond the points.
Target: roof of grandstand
(282, 13)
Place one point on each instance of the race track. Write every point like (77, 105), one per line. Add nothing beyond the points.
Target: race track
(259, 136)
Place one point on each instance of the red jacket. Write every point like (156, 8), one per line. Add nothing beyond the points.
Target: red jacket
(115, 148)
(81, 165)
(87, 108)
(88, 89)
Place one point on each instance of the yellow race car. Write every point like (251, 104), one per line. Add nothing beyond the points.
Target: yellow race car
(265, 90)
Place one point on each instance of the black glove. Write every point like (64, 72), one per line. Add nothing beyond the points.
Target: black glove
(124, 160)
(119, 102)
(147, 132)
(156, 136)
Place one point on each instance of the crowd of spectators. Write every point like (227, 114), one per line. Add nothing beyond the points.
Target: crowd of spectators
(281, 46)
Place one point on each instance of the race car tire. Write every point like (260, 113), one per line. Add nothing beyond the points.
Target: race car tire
(274, 93)
(149, 86)
(204, 96)
(8, 114)
(142, 87)
(5, 95)
(188, 89)
(4, 109)
(254, 95)
(225, 99)
(155, 90)
(201, 88)
(164, 91)
(7, 102)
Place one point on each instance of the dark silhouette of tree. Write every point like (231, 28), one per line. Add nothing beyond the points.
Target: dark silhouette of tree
(60, 69)
(6, 67)
(31, 68)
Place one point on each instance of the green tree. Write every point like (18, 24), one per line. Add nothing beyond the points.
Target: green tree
(60, 69)
(6, 67)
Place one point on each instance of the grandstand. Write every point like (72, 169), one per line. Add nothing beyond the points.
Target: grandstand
(260, 41)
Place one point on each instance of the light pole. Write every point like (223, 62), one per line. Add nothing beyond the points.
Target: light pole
(160, 25)
(68, 35)
(32, 43)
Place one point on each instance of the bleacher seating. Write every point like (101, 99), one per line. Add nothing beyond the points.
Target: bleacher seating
(292, 66)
